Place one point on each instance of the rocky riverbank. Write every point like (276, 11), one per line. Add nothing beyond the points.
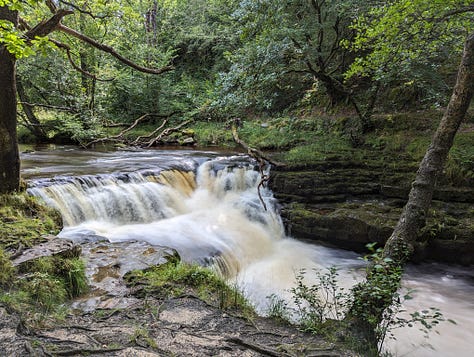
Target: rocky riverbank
(125, 316)
(351, 202)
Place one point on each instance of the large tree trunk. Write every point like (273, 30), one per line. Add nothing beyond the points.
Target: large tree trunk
(9, 157)
(372, 297)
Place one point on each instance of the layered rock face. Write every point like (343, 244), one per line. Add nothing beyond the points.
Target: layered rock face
(349, 203)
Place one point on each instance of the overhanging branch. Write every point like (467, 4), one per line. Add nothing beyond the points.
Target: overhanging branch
(46, 27)
(111, 50)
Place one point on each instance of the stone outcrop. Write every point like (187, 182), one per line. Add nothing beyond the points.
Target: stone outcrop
(349, 203)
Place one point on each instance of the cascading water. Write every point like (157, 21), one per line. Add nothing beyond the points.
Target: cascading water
(209, 210)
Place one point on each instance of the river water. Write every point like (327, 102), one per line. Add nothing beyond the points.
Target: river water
(206, 205)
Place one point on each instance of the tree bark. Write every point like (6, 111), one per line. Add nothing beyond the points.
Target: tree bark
(9, 156)
(373, 296)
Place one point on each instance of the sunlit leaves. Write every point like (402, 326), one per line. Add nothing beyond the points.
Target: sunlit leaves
(401, 32)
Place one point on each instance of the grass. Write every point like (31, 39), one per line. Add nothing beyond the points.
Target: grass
(40, 287)
(176, 278)
(24, 221)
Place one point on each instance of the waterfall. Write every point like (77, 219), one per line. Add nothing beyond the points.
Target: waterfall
(212, 215)
(207, 207)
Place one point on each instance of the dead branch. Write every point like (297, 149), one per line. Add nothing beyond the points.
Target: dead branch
(111, 50)
(261, 158)
(255, 347)
(167, 132)
(255, 153)
(87, 351)
(119, 135)
(140, 138)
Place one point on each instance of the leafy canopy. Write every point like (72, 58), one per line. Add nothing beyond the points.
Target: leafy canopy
(402, 32)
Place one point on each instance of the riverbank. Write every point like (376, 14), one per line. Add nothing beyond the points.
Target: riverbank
(347, 191)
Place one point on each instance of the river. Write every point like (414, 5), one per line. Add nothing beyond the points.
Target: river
(205, 204)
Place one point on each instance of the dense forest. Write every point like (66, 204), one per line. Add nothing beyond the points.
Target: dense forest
(304, 79)
(225, 59)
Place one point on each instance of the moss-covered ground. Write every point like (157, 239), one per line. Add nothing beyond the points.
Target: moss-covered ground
(37, 288)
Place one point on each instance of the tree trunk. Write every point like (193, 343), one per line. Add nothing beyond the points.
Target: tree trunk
(414, 213)
(372, 297)
(9, 156)
(32, 123)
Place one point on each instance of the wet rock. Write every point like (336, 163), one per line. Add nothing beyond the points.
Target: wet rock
(53, 247)
(349, 203)
(107, 263)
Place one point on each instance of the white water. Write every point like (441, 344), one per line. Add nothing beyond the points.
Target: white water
(216, 214)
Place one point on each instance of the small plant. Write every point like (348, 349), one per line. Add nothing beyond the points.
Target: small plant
(320, 301)
(372, 296)
(278, 308)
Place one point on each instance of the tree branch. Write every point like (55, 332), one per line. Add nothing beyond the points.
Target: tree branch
(166, 132)
(46, 27)
(112, 51)
(67, 48)
(68, 109)
(82, 10)
(119, 135)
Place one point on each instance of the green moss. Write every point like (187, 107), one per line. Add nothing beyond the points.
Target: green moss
(7, 270)
(43, 285)
(176, 278)
(212, 133)
(23, 220)
(324, 147)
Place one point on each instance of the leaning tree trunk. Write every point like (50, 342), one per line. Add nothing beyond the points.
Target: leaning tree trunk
(373, 296)
(31, 122)
(9, 157)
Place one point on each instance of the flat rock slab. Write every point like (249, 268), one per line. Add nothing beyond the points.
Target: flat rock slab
(107, 263)
(183, 326)
(54, 246)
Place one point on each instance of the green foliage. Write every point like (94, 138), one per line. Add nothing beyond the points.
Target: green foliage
(320, 301)
(412, 46)
(377, 301)
(289, 50)
(175, 278)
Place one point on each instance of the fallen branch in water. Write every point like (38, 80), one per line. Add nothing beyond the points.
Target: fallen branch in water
(140, 138)
(255, 153)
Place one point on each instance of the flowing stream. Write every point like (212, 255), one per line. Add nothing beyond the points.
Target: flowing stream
(206, 206)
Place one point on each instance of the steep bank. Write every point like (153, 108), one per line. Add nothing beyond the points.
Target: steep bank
(349, 203)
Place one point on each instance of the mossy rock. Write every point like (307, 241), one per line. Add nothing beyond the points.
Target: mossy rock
(25, 221)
